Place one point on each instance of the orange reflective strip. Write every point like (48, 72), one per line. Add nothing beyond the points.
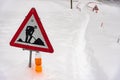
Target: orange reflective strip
(38, 68)
(38, 61)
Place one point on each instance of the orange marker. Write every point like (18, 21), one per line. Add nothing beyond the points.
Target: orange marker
(38, 62)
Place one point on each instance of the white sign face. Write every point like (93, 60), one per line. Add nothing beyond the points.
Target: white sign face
(31, 34)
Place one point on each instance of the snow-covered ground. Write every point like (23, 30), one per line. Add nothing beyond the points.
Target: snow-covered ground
(83, 49)
(103, 40)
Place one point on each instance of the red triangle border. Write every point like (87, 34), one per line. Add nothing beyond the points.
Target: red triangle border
(12, 42)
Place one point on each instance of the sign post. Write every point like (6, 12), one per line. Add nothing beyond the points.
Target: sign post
(31, 35)
(71, 4)
(30, 59)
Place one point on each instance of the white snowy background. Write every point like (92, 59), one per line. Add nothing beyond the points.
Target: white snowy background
(83, 49)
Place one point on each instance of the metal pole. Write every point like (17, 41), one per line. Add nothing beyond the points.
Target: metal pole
(30, 58)
(71, 2)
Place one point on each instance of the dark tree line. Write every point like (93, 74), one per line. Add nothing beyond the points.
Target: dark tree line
(110, 1)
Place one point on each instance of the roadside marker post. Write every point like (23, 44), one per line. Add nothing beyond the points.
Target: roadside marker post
(38, 62)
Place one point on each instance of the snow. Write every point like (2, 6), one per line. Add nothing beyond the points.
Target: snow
(83, 49)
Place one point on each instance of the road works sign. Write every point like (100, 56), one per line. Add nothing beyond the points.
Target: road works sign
(31, 34)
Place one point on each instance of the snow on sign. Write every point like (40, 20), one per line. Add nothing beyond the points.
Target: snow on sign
(31, 34)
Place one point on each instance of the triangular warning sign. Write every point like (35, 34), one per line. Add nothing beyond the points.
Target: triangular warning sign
(31, 34)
